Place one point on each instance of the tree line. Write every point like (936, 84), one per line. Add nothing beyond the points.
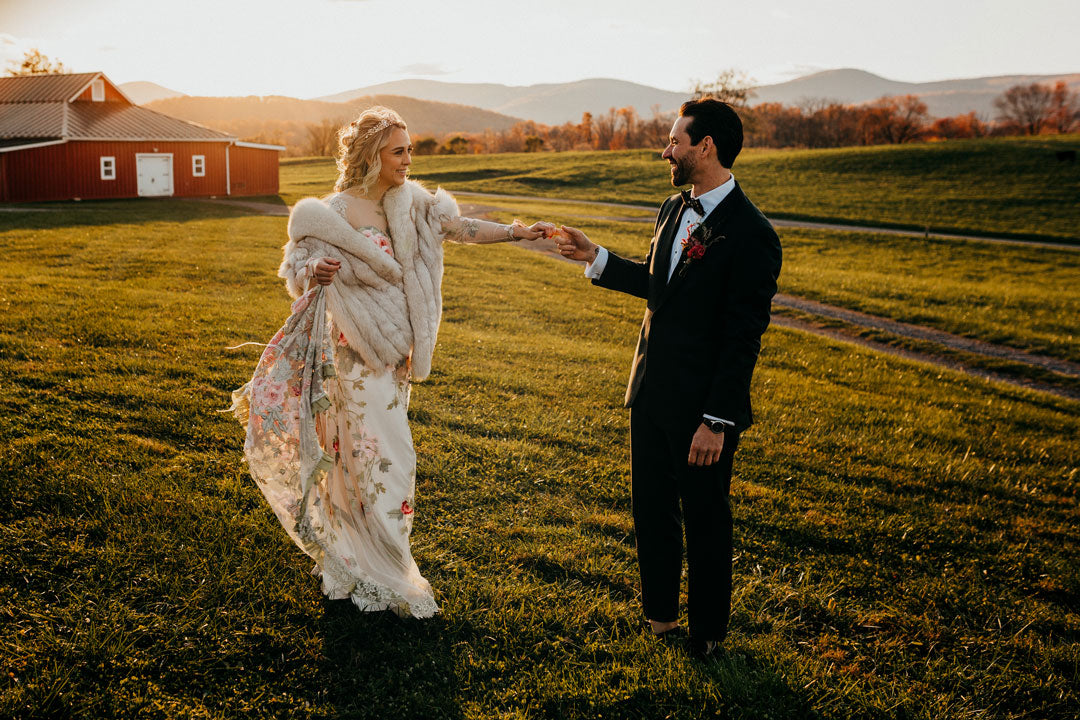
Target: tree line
(1021, 110)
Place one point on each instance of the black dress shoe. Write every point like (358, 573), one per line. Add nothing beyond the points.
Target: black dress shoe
(705, 649)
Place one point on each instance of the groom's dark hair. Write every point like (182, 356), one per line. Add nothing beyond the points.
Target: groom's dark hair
(717, 119)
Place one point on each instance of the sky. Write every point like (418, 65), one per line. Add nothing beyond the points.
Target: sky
(310, 48)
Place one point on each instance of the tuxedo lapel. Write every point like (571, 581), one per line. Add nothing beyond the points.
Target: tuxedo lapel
(712, 226)
(665, 237)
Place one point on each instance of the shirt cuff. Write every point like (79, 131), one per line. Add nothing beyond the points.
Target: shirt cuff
(716, 419)
(596, 268)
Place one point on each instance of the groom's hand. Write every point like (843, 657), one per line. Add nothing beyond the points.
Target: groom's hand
(573, 244)
(706, 447)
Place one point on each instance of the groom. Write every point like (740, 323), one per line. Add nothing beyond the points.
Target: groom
(709, 279)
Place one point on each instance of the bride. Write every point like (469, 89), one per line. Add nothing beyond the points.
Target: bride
(328, 439)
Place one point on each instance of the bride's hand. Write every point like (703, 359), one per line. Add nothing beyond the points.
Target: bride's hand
(535, 231)
(325, 270)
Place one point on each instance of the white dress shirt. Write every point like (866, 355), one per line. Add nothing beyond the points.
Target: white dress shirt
(709, 201)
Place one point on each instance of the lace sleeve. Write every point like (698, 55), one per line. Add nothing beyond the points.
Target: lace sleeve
(338, 205)
(475, 232)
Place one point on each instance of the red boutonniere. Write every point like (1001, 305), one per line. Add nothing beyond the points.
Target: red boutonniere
(698, 240)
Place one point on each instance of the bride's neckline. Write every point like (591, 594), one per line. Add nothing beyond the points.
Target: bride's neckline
(337, 200)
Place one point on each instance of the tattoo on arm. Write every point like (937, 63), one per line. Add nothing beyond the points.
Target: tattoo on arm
(469, 228)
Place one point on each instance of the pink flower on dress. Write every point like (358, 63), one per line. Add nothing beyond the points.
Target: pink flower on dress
(380, 240)
(406, 509)
(341, 339)
(301, 303)
(335, 446)
(369, 447)
(267, 393)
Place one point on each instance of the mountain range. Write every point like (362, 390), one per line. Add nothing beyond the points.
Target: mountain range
(434, 107)
(944, 98)
(551, 104)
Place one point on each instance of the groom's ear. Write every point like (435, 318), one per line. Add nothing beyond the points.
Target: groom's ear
(708, 147)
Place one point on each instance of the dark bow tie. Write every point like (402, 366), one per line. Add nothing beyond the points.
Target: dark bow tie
(692, 203)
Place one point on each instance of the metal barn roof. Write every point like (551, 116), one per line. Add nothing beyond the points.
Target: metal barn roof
(43, 88)
(40, 107)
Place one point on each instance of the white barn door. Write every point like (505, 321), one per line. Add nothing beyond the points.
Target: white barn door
(155, 173)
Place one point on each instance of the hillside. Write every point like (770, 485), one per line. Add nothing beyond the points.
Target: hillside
(552, 103)
(284, 119)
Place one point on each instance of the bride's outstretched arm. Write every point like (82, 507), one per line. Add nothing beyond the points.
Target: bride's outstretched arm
(481, 232)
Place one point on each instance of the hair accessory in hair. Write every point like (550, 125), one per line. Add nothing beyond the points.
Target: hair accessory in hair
(383, 124)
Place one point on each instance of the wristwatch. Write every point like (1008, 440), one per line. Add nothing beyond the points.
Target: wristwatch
(715, 425)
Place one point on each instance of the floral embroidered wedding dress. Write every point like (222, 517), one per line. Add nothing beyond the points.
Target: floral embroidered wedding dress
(328, 442)
(355, 520)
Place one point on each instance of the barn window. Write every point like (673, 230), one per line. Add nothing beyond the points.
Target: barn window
(108, 168)
(198, 165)
(97, 90)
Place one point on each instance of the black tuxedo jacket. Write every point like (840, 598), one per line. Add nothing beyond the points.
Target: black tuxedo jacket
(702, 331)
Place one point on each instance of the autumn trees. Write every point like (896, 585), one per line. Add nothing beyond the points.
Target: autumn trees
(1034, 108)
(812, 123)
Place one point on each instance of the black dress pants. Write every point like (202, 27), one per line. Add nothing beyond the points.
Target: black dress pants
(669, 494)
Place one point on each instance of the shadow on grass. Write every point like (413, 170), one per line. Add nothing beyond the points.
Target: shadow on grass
(745, 688)
(377, 665)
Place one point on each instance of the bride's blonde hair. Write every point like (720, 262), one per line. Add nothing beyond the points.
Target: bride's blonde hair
(359, 144)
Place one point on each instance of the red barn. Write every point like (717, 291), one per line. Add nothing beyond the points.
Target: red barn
(77, 136)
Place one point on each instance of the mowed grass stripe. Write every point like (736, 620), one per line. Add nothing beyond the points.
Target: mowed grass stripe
(905, 535)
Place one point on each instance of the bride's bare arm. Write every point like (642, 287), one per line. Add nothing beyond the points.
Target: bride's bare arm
(482, 232)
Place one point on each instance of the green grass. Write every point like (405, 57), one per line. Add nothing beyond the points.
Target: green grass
(905, 542)
(999, 186)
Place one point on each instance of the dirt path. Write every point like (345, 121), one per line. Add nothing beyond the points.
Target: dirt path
(937, 360)
(921, 332)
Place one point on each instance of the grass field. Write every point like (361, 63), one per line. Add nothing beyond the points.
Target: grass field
(905, 542)
(1000, 186)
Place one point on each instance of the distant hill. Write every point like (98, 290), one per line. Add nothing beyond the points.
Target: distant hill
(943, 98)
(551, 104)
(142, 92)
(284, 120)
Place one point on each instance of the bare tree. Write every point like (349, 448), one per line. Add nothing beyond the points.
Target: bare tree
(35, 62)
(1064, 108)
(322, 137)
(1028, 107)
(603, 129)
(893, 120)
(655, 130)
(732, 86)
